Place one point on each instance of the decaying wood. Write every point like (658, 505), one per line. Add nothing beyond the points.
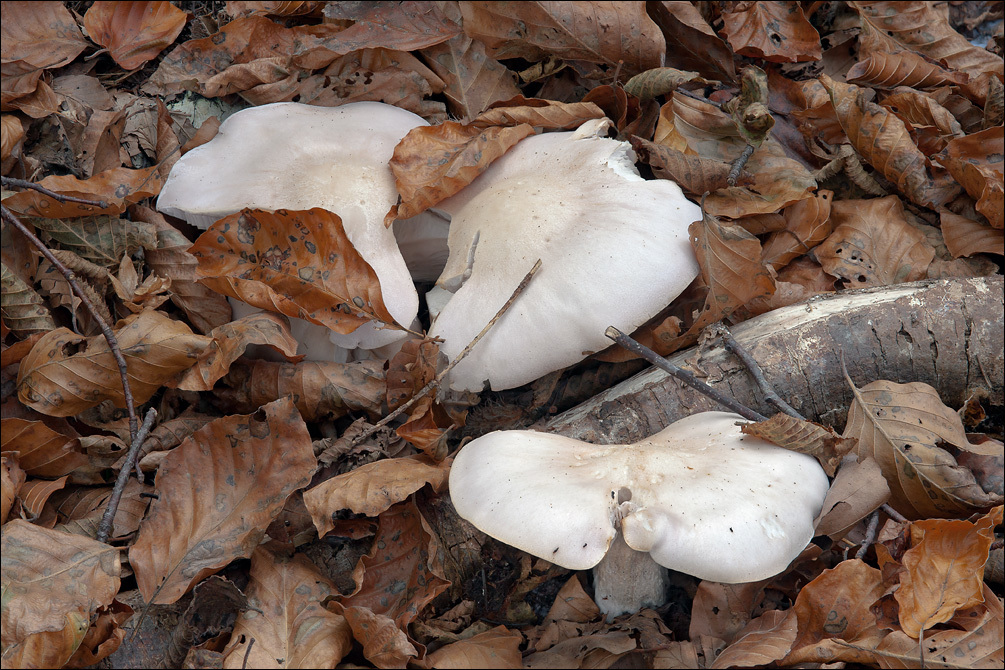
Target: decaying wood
(947, 333)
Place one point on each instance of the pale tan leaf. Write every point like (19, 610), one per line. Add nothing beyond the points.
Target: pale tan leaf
(495, 648)
(42, 451)
(764, 640)
(855, 493)
(134, 32)
(21, 307)
(966, 237)
(903, 68)
(803, 436)
(13, 478)
(218, 491)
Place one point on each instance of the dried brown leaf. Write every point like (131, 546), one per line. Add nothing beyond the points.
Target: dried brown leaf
(42, 34)
(286, 624)
(56, 381)
(901, 426)
(117, 188)
(762, 641)
(943, 570)
(35, 493)
(903, 68)
(495, 648)
(660, 81)
(775, 31)
(218, 491)
(855, 493)
(694, 174)
(932, 123)
(134, 32)
(41, 451)
(977, 161)
(874, 245)
(21, 307)
(297, 263)
(803, 436)
(597, 32)
(883, 141)
(373, 488)
(104, 636)
(13, 478)
(723, 610)
(321, 390)
(79, 510)
(691, 42)
(807, 224)
(52, 583)
(102, 240)
(965, 237)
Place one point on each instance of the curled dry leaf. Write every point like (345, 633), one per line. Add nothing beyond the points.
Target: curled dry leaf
(373, 488)
(943, 570)
(218, 491)
(104, 636)
(834, 610)
(230, 341)
(694, 174)
(874, 245)
(775, 31)
(977, 161)
(903, 68)
(498, 647)
(691, 42)
(882, 139)
(285, 620)
(933, 124)
(660, 81)
(79, 510)
(965, 237)
(12, 478)
(55, 381)
(806, 437)
(762, 641)
(52, 583)
(807, 224)
(23, 309)
(35, 493)
(117, 188)
(568, 30)
(41, 451)
(134, 32)
(857, 491)
(321, 390)
(902, 426)
(43, 35)
(297, 263)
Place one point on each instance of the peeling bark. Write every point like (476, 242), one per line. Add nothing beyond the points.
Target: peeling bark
(947, 333)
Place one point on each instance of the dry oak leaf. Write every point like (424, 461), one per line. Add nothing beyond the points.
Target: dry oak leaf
(943, 570)
(41, 451)
(884, 142)
(117, 188)
(833, 609)
(218, 491)
(52, 583)
(978, 162)
(373, 488)
(874, 245)
(596, 32)
(966, 237)
(57, 382)
(902, 427)
(297, 263)
(134, 32)
(903, 68)
(775, 31)
(285, 625)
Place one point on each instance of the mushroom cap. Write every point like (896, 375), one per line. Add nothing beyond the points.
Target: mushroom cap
(614, 250)
(699, 496)
(288, 155)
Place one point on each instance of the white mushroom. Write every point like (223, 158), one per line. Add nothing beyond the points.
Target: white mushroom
(614, 250)
(294, 156)
(698, 497)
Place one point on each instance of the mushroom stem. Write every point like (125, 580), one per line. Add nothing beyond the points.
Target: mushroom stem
(627, 580)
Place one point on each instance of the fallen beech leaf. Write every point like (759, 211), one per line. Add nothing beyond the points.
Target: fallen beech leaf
(104, 636)
(321, 390)
(12, 135)
(660, 81)
(79, 510)
(762, 641)
(35, 493)
(901, 427)
(857, 491)
(285, 620)
(568, 30)
(572, 604)
(965, 237)
(117, 188)
(943, 570)
(297, 263)
(977, 162)
(874, 245)
(54, 381)
(41, 451)
(373, 488)
(691, 42)
(384, 643)
(134, 32)
(807, 224)
(44, 35)
(404, 26)
(13, 478)
(498, 647)
(218, 491)
(933, 124)
(723, 610)
(102, 240)
(775, 31)
(230, 341)
(694, 174)
(803, 436)
(903, 68)
(834, 608)
(52, 583)
(882, 140)
(23, 309)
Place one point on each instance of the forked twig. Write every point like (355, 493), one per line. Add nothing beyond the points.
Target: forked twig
(105, 527)
(755, 371)
(439, 378)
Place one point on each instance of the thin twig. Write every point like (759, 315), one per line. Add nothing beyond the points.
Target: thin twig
(893, 514)
(105, 527)
(682, 375)
(439, 378)
(871, 530)
(22, 183)
(734, 172)
(247, 653)
(755, 371)
(106, 331)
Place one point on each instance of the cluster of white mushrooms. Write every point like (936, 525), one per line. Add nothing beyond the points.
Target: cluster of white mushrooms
(698, 497)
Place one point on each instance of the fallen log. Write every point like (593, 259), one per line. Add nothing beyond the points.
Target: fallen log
(947, 333)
